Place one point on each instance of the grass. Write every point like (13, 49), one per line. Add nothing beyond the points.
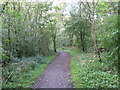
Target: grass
(87, 72)
(26, 78)
(36, 73)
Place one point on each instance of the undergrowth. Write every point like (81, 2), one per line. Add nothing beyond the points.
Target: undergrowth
(87, 72)
(21, 73)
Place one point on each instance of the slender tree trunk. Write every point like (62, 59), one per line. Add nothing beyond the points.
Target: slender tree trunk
(54, 43)
(82, 32)
(93, 34)
(82, 41)
(9, 42)
(16, 33)
(71, 40)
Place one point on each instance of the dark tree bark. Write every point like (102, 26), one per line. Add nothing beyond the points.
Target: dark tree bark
(82, 41)
(71, 39)
(82, 32)
(54, 43)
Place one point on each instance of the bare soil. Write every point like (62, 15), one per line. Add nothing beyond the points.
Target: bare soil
(57, 74)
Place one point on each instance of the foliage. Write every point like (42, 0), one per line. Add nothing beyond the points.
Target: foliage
(79, 27)
(87, 72)
(104, 28)
(30, 32)
(25, 71)
(25, 30)
(109, 39)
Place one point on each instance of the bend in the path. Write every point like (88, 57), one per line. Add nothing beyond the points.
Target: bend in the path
(57, 74)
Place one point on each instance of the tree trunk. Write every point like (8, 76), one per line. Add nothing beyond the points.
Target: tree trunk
(81, 38)
(71, 39)
(93, 34)
(9, 42)
(54, 44)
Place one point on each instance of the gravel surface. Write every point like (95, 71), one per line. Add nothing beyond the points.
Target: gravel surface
(57, 74)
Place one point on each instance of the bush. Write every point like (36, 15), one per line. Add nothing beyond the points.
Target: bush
(87, 72)
(20, 66)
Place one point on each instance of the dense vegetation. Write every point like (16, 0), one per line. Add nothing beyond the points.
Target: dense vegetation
(32, 33)
(95, 27)
(28, 31)
(87, 72)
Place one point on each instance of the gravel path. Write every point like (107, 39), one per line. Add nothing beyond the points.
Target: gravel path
(57, 75)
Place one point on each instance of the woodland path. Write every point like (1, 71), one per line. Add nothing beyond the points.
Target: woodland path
(57, 74)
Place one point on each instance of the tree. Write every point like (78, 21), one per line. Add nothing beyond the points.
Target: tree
(25, 30)
(77, 25)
